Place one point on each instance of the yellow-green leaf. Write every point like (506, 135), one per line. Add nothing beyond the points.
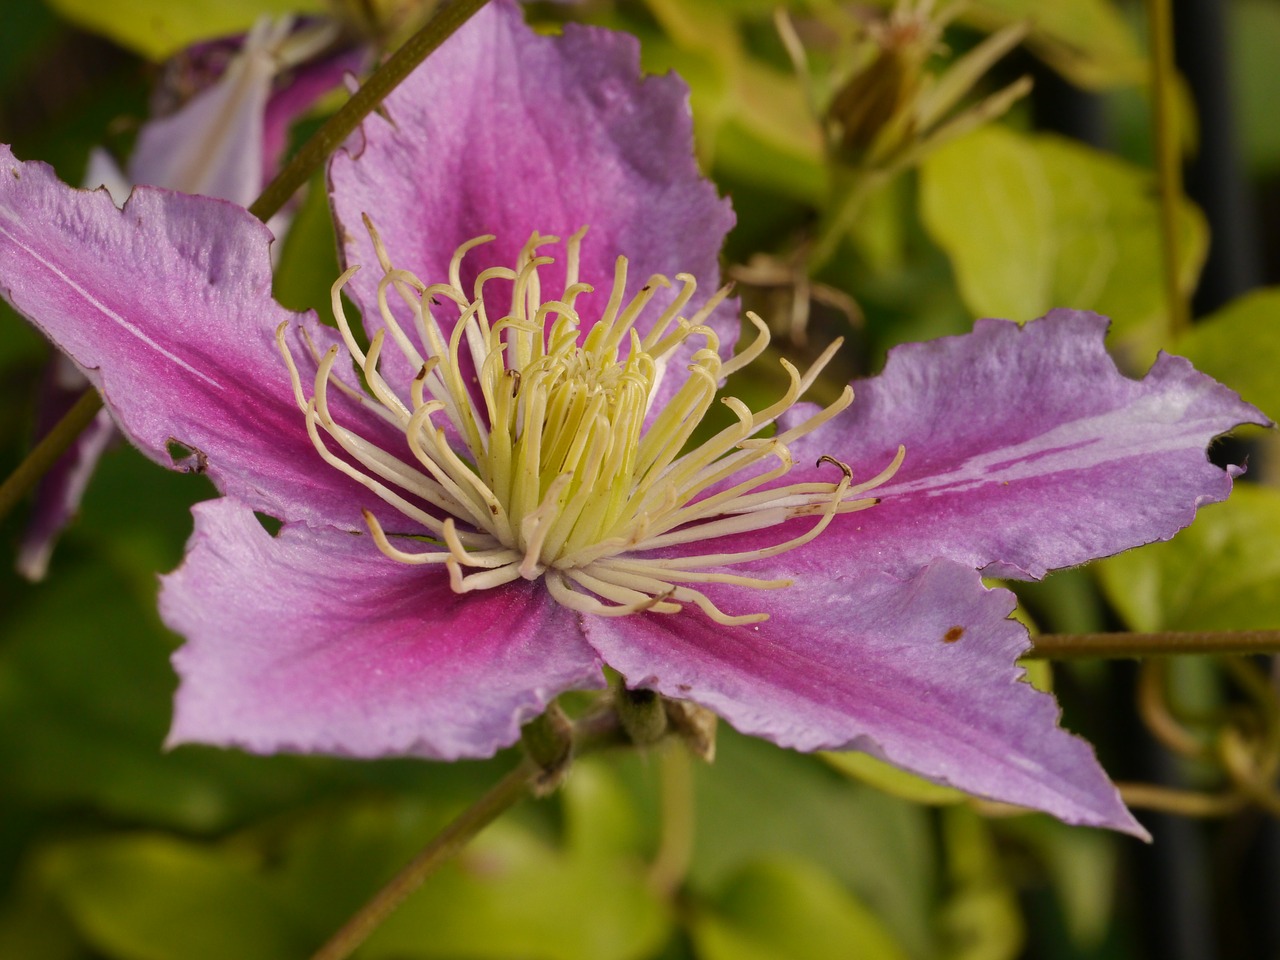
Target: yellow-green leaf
(1222, 573)
(1036, 222)
(1240, 346)
(788, 909)
(980, 917)
(151, 897)
(1087, 41)
(891, 780)
(160, 28)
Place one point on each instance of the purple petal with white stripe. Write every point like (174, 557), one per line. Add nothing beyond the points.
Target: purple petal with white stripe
(166, 307)
(1027, 451)
(224, 143)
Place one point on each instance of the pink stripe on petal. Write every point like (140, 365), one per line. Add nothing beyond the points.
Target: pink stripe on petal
(166, 306)
(313, 641)
(505, 132)
(920, 673)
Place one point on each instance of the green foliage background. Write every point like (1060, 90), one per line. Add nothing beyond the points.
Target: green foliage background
(112, 847)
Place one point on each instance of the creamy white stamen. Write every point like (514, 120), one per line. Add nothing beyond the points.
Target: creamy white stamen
(547, 458)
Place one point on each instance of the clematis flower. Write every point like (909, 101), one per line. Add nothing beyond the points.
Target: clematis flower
(505, 486)
(225, 141)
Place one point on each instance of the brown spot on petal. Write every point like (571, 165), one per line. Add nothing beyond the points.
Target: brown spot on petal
(952, 635)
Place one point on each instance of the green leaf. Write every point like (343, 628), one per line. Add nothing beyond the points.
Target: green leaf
(986, 199)
(308, 263)
(787, 909)
(886, 777)
(1080, 866)
(1254, 34)
(770, 136)
(1240, 346)
(86, 687)
(28, 30)
(81, 716)
(160, 28)
(1221, 573)
(86, 690)
(20, 345)
(512, 893)
(1036, 222)
(600, 819)
(753, 123)
(155, 898)
(980, 918)
(1087, 41)
(284, 887)
(758, 801)
(32, 923)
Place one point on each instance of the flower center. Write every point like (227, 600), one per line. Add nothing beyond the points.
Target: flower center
(536, 446)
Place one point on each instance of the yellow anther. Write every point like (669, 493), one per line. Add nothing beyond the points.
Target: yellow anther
(537, 445)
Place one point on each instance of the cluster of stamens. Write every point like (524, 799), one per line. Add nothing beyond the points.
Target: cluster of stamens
(533, 449)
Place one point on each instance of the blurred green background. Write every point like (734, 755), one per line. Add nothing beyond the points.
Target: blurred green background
(111, 847)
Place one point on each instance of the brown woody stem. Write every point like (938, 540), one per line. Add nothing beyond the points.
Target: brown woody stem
(1076, 646)
(504, 795)
(46, 453)
(366, 99)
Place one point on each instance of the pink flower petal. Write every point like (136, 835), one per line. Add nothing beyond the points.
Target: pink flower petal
(1027, 451)
(506, 132)
(166, 306)
(321, 644)
(205, 147)
(920, 673)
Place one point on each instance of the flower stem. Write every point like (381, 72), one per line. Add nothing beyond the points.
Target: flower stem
(675, 844)
(852, 191)
(505, 794)
(1168, 157)
(46, 453)
(371, 93)
(599, 730)
(1075, 646)
(1183, 803)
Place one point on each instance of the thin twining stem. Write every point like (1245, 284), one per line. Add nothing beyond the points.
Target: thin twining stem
(1168, 158)
(1158, 715)
(1078, 646)
(504, 795)
(307, 160)
(594, 731)
(46, 453)
(1185, 803)
(371, 93)
(675, 843)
